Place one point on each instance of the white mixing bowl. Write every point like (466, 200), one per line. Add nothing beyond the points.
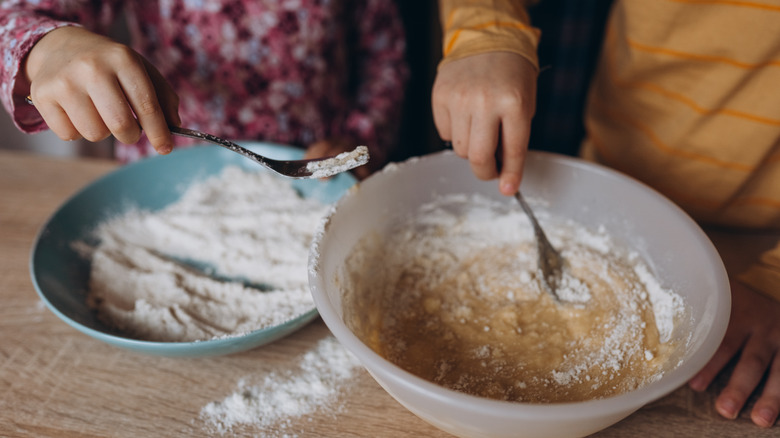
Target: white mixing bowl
(676, 249)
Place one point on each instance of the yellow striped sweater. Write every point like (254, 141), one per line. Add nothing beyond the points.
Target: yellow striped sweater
(686, 97)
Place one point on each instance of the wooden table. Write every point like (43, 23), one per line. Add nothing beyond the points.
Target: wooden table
(58, 382)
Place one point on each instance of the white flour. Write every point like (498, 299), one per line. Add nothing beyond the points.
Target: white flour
(475, 222)
(246, 233)
(276, 400)
(340, 163)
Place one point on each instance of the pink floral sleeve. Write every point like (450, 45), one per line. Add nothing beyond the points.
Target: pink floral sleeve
(285, 71)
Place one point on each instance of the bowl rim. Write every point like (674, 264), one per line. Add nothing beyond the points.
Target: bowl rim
(621, 403)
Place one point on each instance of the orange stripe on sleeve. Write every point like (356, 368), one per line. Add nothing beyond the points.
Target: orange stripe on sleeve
(698, 57)
(736, 3)
(754, 200)
(483, 26)
(451, 43)
(496, 23)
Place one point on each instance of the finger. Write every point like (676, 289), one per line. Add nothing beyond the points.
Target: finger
(318, 150)
(461, 127)
(483, 142)
(514, 146)
(727, 350)
(767, 406)
(85, 117)
(115, 111)
(140, 93)
(58, 121)
(166, 95)
(441, 118)
(751, 366)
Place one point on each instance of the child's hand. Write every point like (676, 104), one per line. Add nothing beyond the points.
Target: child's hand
(333, 147)
(753, 334)
(485, 101)
(87, 85)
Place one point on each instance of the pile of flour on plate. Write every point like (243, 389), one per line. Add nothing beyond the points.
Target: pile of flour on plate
(228, 258)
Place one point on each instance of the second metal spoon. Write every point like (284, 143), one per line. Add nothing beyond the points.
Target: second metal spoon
(550, 260)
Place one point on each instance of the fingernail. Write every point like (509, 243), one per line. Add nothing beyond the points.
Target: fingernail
(766, 417)
(507, 189)
(728, 408)
(164, 150)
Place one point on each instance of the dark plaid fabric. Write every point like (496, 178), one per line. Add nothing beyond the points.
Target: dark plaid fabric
(572, 31)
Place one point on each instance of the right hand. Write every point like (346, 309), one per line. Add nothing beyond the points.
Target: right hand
(87, 85)
(484, 105)
(753, 337)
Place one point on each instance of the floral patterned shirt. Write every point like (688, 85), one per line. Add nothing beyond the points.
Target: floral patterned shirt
(285, 71)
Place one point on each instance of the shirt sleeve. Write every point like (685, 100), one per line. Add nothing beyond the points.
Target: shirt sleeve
(764, 276)
(472, 27)
(381, 75)
(22, 24)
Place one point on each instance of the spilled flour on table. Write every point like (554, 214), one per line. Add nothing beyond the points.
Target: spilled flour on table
(229, 257)
(280, 400)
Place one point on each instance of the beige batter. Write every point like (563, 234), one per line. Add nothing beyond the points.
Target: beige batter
(476, 320)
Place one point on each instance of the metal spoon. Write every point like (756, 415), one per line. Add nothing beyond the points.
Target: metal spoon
(550, 260)
(317, 168)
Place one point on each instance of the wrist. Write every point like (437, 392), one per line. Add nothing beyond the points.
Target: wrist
(43, 48)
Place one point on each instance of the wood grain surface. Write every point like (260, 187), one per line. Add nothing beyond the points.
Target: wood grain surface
(58, 382)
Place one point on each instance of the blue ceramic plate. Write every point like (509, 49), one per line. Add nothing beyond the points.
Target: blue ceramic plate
(61, 276)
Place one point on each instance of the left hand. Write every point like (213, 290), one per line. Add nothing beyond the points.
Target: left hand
(753, 333)
(333, 147)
